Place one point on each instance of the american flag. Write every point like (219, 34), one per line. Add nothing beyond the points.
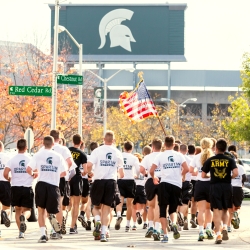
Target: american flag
(137, 105)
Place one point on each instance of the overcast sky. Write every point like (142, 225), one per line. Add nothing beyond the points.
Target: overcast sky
(217, 32)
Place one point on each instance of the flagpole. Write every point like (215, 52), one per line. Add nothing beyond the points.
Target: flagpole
(140, 75)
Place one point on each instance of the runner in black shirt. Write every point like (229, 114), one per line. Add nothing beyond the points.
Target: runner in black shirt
(220, 168)
(76, 183)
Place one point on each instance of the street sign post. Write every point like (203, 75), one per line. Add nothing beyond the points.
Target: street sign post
(29, 137)
(30, 90)
(70, 79)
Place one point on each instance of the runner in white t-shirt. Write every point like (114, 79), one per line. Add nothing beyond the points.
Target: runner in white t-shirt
(64, 184)
(152, 190)
(127, 185)
(238, 196)
(107, 160)
(202, 189)
(173, 170)
(186, 191)
(4, 188)
(50, 167)
(22, 196)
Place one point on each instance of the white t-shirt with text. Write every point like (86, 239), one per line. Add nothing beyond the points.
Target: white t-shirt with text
(17, 166)
(107, 160)
(147, 162)
(188, 174)
(49, 164)
(3, 160)
(170, 163)
(130, 165)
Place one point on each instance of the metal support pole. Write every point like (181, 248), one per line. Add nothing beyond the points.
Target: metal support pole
(169, 82)
(105, 106)
(80, 93)
(55, 58)
(134, 76)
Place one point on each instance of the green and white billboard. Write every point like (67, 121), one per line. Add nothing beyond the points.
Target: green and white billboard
(117, 33)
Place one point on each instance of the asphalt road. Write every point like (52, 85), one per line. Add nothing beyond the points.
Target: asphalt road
(238, 239)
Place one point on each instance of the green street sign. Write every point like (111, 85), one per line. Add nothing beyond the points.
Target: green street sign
(30, 90)
(70, 79)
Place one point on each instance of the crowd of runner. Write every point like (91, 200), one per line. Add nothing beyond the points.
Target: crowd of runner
(168, 188)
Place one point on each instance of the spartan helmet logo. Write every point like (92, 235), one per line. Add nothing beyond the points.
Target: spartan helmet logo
(22, 164)
(171, 159)
(109, 156)
(49, 160)
(120, 35)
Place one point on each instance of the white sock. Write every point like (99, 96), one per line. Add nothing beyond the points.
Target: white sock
(166, 235)
(97, 218)
(134, 223)
(224, 226)
(157, 226)
(104, 229)
(218, 233)
(201, 229)
(150, 223)
(209, 225)
(42, 229)
(119, 214)
(145, 222)
(128, 223)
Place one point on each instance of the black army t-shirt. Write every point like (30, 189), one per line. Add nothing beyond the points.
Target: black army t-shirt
(79, 158)
(220, 168)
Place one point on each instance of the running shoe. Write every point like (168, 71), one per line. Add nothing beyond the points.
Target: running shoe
(164, 239)
(218, 239)
(20, 236)
(229, 230)
(118, 223)
(82, 220)
(209, 234)
(224, 234)
(73, 231)
(55, 236)
(96, 231)
(134, 228)
(6, 220)
(180, 219)
(63, 229)
(97, 237)
(156, 235)
(103, 238)
(149, 232)
(127, 229)
(185, 227)
(23, 226)
(176, 232)
(193, 223)
(201, 236)
(88, 227)
(179, 228)
(54, 223)
(139, 218)
(42, 239)
(235, 221)
(145, 226)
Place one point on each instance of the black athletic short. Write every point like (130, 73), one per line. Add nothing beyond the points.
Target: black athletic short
(202, 191)
(62, 184)
(117, 200)
(127, 188)
(140, 195)
(169, 194)
(65, 201)
(47, 196)
(22, 197)
(5, 193)
(103, 192)
(85, 189)
(221, 196)
(151, 189)
(76, 185)
(193, 183)
(238, 196)
(186, 192)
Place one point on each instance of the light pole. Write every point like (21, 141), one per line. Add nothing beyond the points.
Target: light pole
(105, 80)
(62, 29)
(178, 107)
(55, 57)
